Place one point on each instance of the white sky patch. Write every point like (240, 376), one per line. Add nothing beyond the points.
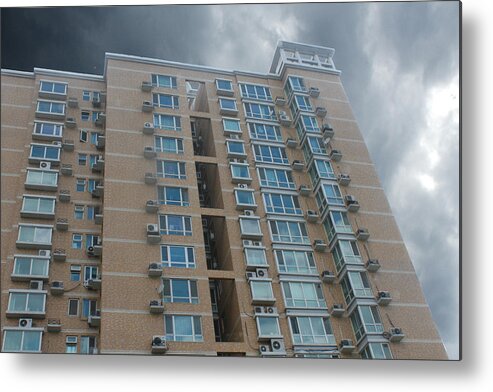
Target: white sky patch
(427, 181)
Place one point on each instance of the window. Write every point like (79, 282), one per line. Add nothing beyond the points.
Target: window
(294, 84)
(32, 234)
(167, 122)
(376, 351)
(261, 290)
(365, 319)
(276, 178)
(250, 227)
(270, 154)
(73, 307)
(76, 241)
(175, 225)
(88, 345)
(231, 125)
(78, 212)
(92, 184)
(268, 327)
(171, 169)
(313, 145)
(320, 170)
(83, 136)
(89, 307)
(302, 103)
(53, 87)
(41, 152)
(235, 148)
(57, 108)
(265, 132)
(307, 123)
(328, 194)
(91, 212)
(41, 177)
(337, 222)
(86, 95)
(38, 205)
(163, 81)
(345, 252)
(94, 138)
(48, 129)
(71, 344)
(80, 185)
(183, 328)
(22, 341)
(260, 111)
(228, 104)
(85, 115)
(253, 91)
(92, 240)
(303, 295)
(31, 267)
(173, 196)
(75, 269)
(26, 302)
(255, 256)
(90, 272)
(224, 85)
(295, 261)
(178, 256)
(240, 172)
(280, 203)
(165, 101)
(93, 159)
(245, 198)
(168, 144)
(311, 330)
(356, 284)
(289, 231)
(82, 159)
(180, 290)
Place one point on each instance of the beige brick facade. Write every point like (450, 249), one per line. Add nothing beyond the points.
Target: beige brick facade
(202, 326)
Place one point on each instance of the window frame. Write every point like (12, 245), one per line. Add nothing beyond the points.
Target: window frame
(38, 128)
(184, 200)
(36, 228)
(190, 262)
(161, 164)
(261, 113)
(304, 339)
(52, 104)
(41, 184)
(164, 230)
(17, 271)
(6, 331)
(194, 321)
(156, 80)
(287, 287)
(260, 92)
(227, 130)
(37, 213)
(158, 103)
(282, 209)
(26, 310)
(281, 238)
(158, 122)
(309, 259)
(168, 285)
(54, 83)
(160, 145)
(44, 158)
(263, 178)
(258, 149)
(266, 129)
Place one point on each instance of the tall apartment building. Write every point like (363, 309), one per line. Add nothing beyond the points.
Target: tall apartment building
(170, 208)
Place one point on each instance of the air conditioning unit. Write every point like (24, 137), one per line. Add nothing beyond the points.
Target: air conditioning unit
(270, 309)
(159, 344)
(346, 346)
(264, 348)
(45, 165)
(25, 323)
(36, 285)
(328, 277)
(56, 143)
(243, 186)
(259, 309)
(383, 298)
(396, 335)
(71, 339)
(277, 346)
(152, 228)
(362, 234)
(44, 253)
(344, 179)
(148, 125)
(337, 310)
(248, 212)
(146, 86)
(282, 113)
(247, 243)
(233, 136)
(250, 275)
(372, 265)
(319, 245)
(304, 190)
(262, 272)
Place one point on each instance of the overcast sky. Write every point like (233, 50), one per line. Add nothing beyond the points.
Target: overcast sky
(400, 69)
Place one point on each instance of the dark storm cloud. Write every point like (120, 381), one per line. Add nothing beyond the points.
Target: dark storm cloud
(395, 57)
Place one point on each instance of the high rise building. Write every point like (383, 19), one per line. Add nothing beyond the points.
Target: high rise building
(171, 208)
